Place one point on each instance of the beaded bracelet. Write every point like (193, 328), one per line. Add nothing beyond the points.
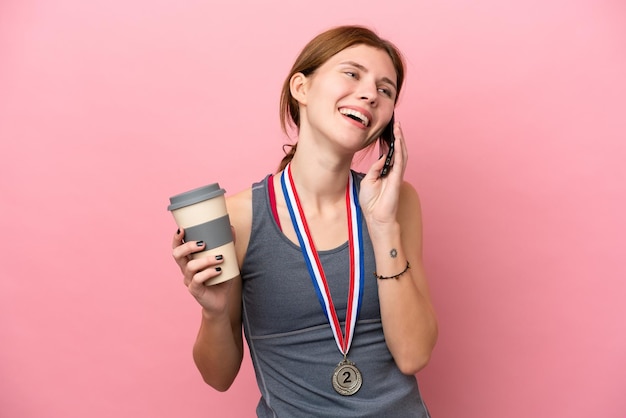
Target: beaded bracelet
(408, 266)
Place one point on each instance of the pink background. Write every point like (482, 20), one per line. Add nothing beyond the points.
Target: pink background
(515, 114)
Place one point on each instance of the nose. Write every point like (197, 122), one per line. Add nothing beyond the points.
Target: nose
(369, 99)
(368, 92)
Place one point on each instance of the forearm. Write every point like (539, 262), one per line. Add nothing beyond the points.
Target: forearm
(409, 323)
(218, 351)
(408, 318)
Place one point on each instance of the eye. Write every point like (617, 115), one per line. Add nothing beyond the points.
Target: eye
(387, 92)
(351, 74)
(384, 91)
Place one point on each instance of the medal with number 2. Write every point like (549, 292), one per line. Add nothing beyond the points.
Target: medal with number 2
(346, 378)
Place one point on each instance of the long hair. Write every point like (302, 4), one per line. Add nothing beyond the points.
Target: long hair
(319, 50)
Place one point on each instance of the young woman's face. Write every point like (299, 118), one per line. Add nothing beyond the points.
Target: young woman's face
(351, 97)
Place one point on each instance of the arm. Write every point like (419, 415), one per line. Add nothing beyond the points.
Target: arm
(392, 211)
(408, 317)
(218, 349)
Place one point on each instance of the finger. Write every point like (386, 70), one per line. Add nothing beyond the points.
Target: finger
(181, 252)
(374, 171)
(379, 164)
(402, 142)
(178, 238)
(201, 277)
(201, 264)
(400, 157)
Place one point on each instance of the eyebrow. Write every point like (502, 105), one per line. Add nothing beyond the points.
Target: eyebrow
(362, 68)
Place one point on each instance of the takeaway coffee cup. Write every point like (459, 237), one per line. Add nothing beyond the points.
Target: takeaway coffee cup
(202, 214)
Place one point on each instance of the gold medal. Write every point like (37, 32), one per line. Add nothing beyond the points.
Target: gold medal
(347, 378)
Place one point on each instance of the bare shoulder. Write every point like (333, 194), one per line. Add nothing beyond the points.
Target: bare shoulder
(409, 202)
(240, 205)
(239, 208)
(410, 217)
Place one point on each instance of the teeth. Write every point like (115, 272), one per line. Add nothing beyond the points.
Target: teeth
(350, 112)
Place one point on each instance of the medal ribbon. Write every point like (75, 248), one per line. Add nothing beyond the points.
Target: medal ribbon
(311, 257)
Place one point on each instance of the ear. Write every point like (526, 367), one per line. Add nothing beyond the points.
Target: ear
(298, 85)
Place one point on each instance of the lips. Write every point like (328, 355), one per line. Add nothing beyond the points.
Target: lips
(358, 115)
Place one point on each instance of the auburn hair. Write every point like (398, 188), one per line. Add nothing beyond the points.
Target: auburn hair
(319, 50)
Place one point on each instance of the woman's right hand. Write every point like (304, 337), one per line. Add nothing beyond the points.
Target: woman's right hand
(196, 272)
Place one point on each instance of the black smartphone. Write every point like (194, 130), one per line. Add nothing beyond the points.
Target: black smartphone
(387, 140)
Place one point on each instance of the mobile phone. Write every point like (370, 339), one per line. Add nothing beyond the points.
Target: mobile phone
(388, 140)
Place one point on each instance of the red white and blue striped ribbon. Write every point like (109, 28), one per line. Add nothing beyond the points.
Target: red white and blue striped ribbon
(311, 257)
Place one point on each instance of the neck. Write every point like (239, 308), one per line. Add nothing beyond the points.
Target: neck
(320, 176)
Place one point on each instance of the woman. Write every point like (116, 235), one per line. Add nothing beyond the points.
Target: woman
(332, 295)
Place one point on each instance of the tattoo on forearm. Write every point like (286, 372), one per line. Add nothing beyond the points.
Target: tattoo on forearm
(393, 253)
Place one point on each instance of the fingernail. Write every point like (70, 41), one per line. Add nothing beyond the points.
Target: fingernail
(219, 257)
(218, 269)
(200, 243)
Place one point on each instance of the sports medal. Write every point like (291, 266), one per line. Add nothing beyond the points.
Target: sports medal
(346, 378)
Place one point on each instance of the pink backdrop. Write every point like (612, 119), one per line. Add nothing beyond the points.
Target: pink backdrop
(515, 113)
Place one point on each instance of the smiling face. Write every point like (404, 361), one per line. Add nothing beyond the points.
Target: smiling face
(350, 98)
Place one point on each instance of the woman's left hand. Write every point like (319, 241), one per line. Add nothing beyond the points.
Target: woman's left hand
(379, 195)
